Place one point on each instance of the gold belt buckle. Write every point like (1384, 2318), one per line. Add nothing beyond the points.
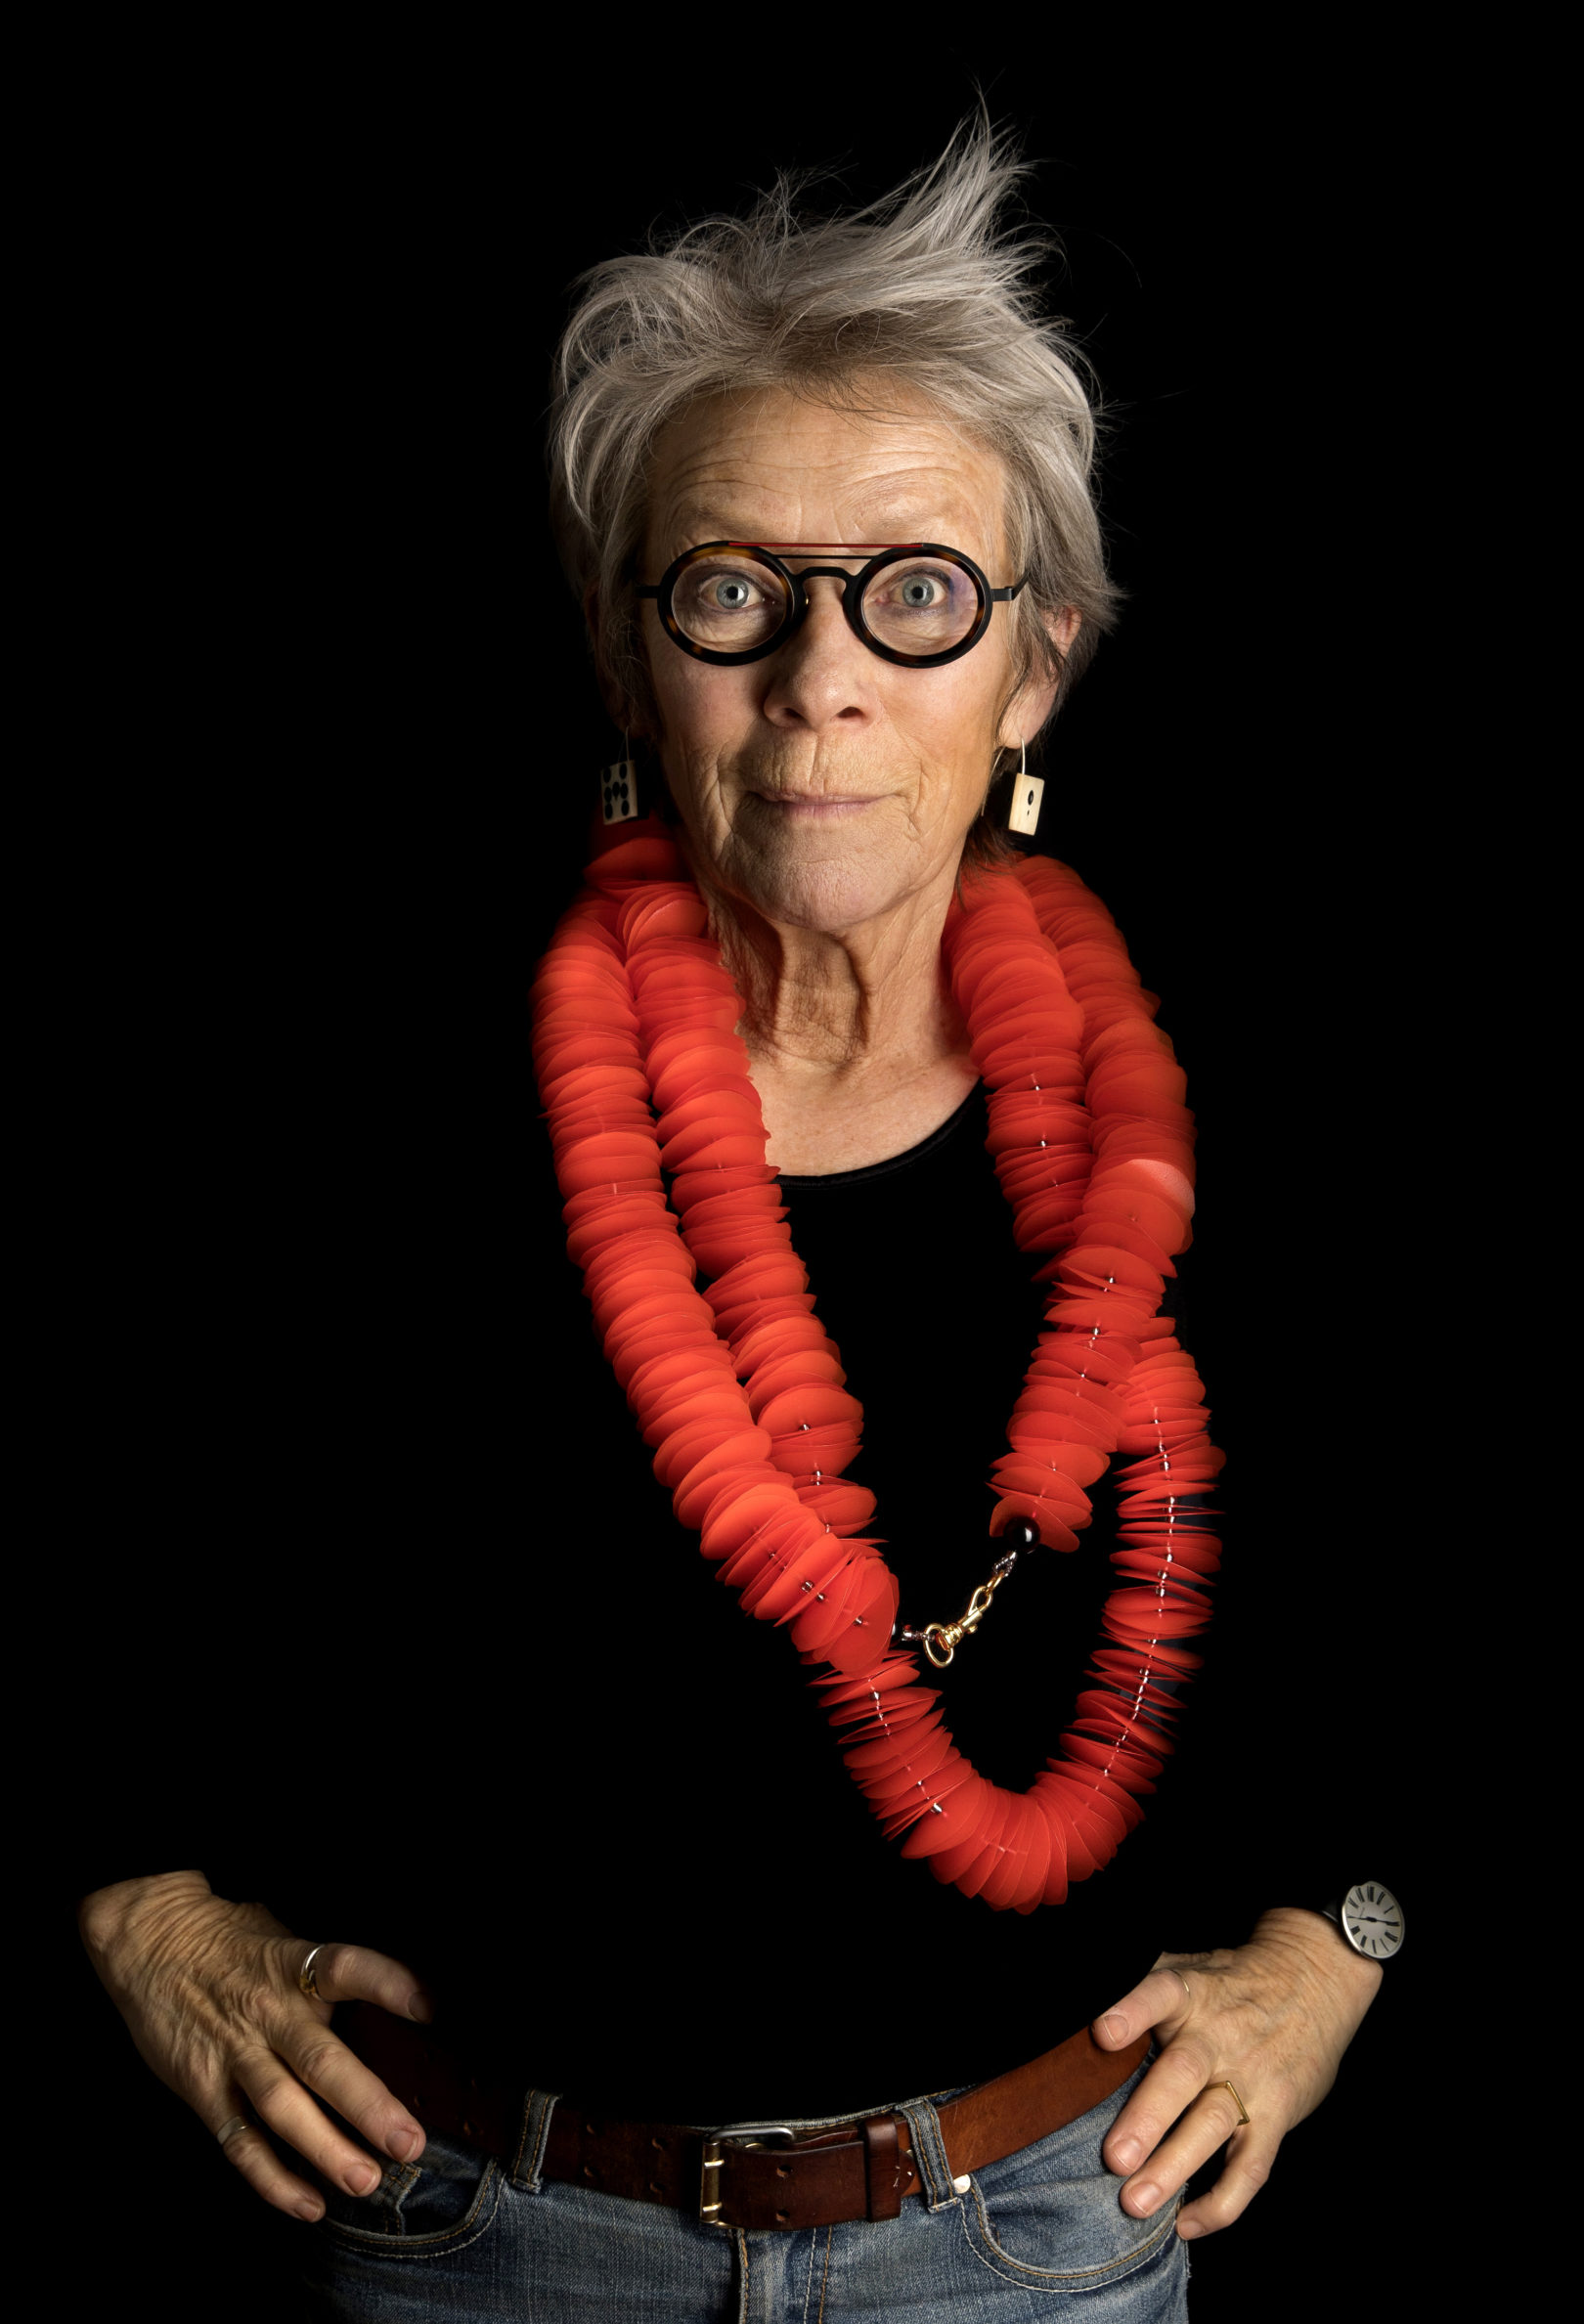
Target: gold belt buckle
(715, 2143)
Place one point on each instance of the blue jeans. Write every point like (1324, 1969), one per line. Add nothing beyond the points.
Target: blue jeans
(458, 2239)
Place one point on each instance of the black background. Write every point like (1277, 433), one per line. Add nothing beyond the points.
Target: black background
(337, 666)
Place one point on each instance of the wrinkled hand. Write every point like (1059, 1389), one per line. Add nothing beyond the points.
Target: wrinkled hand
(1273, 2016)
(210, 1992)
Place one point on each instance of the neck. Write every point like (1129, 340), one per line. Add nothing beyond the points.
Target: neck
(842, 1004)
(855, 1043)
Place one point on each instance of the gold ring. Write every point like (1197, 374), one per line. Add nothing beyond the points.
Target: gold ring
(306, 1976)
(1186, 1986)
(238, 2122)
(1243, 2111)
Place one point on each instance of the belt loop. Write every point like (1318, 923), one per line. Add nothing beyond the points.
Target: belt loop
(930, 2155)
(529, 2162)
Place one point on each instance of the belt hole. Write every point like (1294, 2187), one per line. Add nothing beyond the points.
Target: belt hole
(782, 2171)
(655, 2188)
(782, 2216)
(657, 2142)
(590, 2131)
(589, 2170)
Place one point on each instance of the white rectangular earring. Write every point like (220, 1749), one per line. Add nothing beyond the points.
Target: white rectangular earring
(619, 790)
(1027, 794)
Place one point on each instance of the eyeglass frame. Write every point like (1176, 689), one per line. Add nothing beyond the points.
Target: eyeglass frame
(855, 584)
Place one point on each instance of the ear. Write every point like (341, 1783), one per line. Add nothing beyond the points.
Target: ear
(1032, 704)
(623, 715)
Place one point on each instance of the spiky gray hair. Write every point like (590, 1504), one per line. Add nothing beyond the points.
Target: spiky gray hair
(925, 286)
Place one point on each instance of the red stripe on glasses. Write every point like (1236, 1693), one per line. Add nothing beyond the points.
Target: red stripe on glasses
(824, 548)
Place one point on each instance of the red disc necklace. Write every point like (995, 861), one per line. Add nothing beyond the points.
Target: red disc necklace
(673, 1214)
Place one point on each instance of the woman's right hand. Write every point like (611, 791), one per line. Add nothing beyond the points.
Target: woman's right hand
(210, 1992)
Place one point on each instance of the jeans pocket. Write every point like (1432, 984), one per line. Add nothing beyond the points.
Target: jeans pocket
(444, 2200)
(1071, 2241)
(1050, 2215)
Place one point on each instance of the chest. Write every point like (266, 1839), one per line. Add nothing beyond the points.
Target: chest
(818, 1126)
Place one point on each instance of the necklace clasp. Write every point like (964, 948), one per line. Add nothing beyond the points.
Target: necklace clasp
(950, 1634)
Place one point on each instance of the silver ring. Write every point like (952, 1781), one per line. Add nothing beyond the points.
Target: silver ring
(305, 1976)
(238, 2122)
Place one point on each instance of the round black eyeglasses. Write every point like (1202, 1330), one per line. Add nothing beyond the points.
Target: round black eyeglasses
(918, 603)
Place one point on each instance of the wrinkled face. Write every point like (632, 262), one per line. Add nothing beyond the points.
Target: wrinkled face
(823, 786)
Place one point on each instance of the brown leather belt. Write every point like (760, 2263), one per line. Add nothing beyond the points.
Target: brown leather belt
(756, 2177)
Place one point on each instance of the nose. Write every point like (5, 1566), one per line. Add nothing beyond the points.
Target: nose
(819, 679)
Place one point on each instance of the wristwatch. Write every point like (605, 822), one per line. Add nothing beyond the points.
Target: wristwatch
(1369, 1918)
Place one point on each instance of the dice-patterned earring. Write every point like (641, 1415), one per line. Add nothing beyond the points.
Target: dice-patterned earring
(619, 789)
(1027, 794)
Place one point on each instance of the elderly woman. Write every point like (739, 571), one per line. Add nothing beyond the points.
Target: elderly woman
(783, 1828)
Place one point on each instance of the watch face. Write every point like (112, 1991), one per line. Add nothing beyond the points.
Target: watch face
(1372, 1921)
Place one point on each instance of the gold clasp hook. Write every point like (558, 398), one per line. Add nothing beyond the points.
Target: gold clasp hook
(950, 1635)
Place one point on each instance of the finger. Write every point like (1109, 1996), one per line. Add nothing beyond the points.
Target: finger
(250, 2153)
(293, 2114)
(323, 2065)
(1170, 2086)
(1248, 2164)
(1160, 2000)
(357, 1973)
(1207, 2125)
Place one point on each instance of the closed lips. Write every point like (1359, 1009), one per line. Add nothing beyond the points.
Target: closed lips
(811, 805)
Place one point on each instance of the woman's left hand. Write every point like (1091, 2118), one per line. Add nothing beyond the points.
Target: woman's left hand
(1272, 2016)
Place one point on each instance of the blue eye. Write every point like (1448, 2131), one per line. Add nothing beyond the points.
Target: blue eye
(925, 606)
(730, 602)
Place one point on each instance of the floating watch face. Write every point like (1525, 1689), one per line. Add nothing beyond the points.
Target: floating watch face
(1372, 1921)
